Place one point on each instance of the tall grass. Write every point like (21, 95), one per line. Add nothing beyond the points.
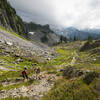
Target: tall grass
(70, 90)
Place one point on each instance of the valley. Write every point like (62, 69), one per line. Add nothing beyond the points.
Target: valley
(67, 70)
(59, 64)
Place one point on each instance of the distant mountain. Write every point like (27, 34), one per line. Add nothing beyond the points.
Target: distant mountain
(11, 21)
(41, 33)
(71, 33)
(95, 31)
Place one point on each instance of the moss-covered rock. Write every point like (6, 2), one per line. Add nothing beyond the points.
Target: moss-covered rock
(89, 77)
(71, 72)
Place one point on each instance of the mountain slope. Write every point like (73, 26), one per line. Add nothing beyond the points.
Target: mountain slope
(9, 19)
(10, 38)
(41, 34)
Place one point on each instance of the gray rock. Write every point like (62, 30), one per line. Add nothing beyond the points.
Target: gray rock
(72, 71)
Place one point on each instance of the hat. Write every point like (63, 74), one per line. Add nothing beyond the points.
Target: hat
(25, 67)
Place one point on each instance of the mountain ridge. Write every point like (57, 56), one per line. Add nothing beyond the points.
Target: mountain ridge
(71, 32)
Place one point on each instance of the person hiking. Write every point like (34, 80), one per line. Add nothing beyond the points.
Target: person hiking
(37, 71)
(25, 73)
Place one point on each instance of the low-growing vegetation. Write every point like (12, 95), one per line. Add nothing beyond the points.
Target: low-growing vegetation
(18, 98)
(19, 85)
(71, 90)
(72, 87)
(11, 32)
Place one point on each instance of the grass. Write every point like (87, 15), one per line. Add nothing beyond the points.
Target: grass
(71, 90)
(75, 89)
(65, 56)
(89, 59)
(54, 65)
(17, 98)
(10, 74)
(19, 85)
(11, 62)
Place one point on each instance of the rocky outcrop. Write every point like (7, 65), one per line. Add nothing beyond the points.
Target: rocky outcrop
(71, 72)
(88, 45)
(87, 75)
(41, 34)
(36, 27)
(9, 19)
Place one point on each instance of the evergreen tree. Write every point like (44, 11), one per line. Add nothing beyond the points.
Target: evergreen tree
(63, 39)
(75, 38)
(90, 39)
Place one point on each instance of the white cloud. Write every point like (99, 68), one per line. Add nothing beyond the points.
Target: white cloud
(77, 13)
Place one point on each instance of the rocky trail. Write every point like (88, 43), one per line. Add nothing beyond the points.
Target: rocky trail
(74, 58)
(34, 92)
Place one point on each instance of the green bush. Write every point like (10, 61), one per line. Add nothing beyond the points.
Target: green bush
(70, 90)
(89, 77)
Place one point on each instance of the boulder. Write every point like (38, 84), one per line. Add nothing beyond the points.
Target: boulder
(72, 71)
(89, 77)
(19, 60)
(9, 43)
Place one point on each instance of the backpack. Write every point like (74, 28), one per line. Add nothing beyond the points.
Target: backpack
(24, 72)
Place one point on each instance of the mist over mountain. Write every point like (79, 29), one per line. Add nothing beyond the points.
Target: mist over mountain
(77, 13)
(95, 31)
(71, 32)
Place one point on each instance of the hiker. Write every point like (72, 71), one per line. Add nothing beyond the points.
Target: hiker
(37, 71)
(25, 74)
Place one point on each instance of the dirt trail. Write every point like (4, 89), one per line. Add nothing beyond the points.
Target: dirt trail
(74, 58)
(33, 91)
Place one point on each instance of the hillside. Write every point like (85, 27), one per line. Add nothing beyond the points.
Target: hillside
(71, 75)
(68, 70)
(9, 19)
(81, 75)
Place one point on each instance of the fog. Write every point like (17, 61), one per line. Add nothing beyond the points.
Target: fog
(78, 13)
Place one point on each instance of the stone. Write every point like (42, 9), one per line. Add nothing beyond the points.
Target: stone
(62, 70)
(2, 91)
(19, 60)
(72, 71)
(48, 59)
(23, 89)
(89, 77)
(9, 43)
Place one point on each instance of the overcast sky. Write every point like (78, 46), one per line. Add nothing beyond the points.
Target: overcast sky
(77, 13)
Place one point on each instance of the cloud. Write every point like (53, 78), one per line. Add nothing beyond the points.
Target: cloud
(77, 13)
